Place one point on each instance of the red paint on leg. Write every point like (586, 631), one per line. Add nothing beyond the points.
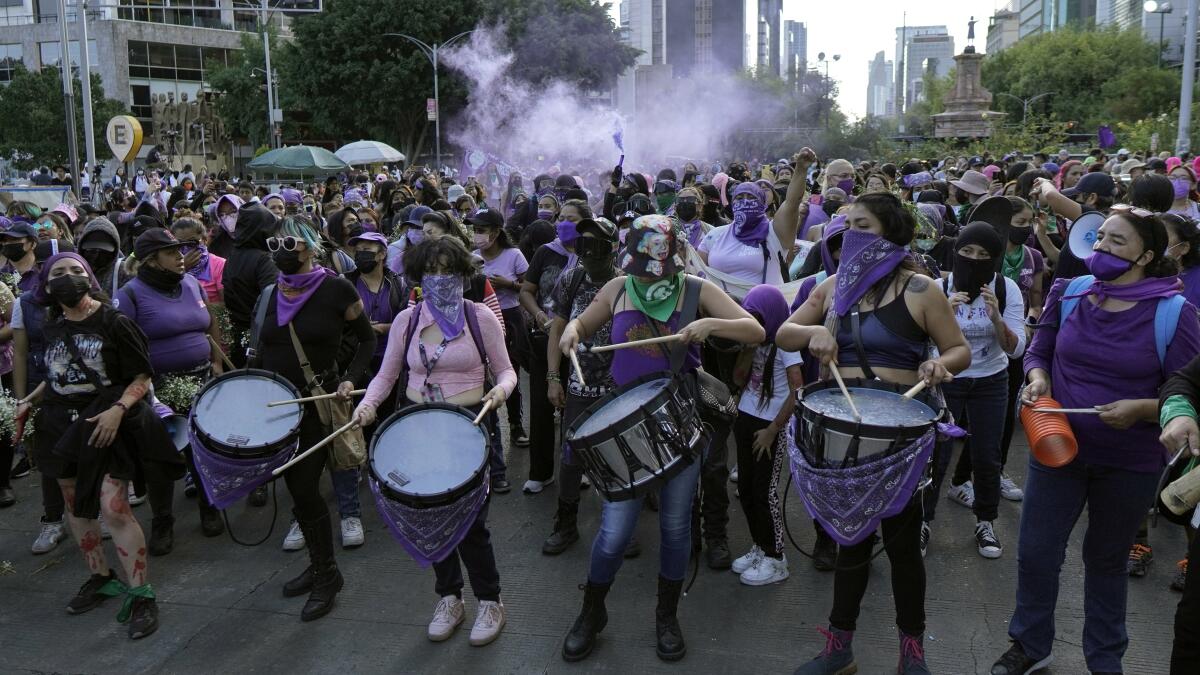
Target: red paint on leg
(89, 542)
(122, 552)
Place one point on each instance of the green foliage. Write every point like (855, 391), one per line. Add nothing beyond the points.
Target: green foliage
(243, 104)
(33, 118)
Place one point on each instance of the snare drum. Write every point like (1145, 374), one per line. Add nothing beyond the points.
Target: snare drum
(230, 416)
(828, 434)
(637, 436)
(428, 455)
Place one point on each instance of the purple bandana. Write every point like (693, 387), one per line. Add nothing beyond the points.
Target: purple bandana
(866, 258)
(767, 304)
(557, 247)
(834, 228)
(430, 534)
(443, 295)
(913, 180)
(1149, 288)
(750, 223)
(287, 307)
(200, 270)
(226, 481)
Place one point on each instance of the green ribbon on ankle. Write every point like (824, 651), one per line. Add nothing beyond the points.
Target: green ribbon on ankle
(112, 588)
(143, 591)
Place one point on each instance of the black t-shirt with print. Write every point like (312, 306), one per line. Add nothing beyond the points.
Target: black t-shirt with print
(109, 343)
(544, 270)
(597, 368)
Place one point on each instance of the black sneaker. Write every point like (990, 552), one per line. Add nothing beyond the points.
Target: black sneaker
(985, 539)
(1016, 662)
(501, 486)
(519, 437)
(258, 497)
(143, 618)
(1140, 557)
(718, 554)
(1179, 581)
(162, 535)
(21, 469)
(926, 533)
(7, 498)
(89, 596)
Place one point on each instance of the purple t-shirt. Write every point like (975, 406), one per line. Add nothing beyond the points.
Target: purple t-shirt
(630, 364)
(507, 265)
(176, 327)
(1191, 284)
(1099, 357)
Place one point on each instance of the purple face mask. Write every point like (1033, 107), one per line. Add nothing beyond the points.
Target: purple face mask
(545, 214)
(847, 185)
(415, 235)
(1106, 266)
(567, 231)
(1182, 187)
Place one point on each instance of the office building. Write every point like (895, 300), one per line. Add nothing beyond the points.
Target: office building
(881, 99)
(795, 50)
(1165, 27)
(1043, 16)
(920, 51)
(1003, 31)
(770, 36)
(708, 36)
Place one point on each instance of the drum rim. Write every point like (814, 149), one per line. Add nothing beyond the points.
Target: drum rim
(850, 427)
(625, 424)
(213, 445)
(436, 498)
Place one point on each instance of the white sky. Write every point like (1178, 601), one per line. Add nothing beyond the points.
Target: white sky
(857, 29)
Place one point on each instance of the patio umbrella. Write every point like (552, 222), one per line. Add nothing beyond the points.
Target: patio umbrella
(303, 159)
(369, 152)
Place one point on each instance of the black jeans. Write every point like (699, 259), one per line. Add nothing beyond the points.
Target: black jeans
(570, 470)
(979, 400)
(1185, 655)
(476, 553)
(304, 479)
(902, 538)
(1016, 378)
(516, 342)
(541, 413)
(757, 478)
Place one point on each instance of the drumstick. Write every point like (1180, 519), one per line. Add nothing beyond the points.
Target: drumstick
(845, 392)
(322, 397)
(1073, 411)
(915, 390)
(635, 343)
(487, 405)
(578, 370)
(228, 363)
(320, 444)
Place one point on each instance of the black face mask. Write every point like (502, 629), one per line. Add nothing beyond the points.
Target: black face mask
(68, 290)
(599, 268)
(98, 258)
(1019, 235)
(159, 279)
(711, 213)
(971, 275)
(288, 262)
(686, 210)
(365, 261)
(831, 206)
(13, 251)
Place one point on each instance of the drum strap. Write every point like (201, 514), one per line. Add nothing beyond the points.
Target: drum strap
(856, 331)
(260, 317)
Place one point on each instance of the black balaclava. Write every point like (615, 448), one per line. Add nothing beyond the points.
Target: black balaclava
(969, 274)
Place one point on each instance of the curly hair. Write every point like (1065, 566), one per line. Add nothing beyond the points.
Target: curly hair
(899, 224)
(447, 253)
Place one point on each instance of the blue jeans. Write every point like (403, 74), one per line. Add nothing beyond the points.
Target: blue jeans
(981, 402)
(618, 520)
(345, 488)
(1117, 501)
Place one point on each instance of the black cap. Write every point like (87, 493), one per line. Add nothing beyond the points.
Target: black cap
(601, 227)
(1092, 183)
(50, 247)
(1156, 164)
(488, 218)
(20, 230)
(975, 161)
(153, 240)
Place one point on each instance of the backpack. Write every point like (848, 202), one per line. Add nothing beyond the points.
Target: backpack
(476, 335)
(1166, 316)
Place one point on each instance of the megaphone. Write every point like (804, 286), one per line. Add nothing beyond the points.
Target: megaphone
(1083, 234)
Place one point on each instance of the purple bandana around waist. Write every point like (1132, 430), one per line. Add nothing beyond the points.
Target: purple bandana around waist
(431, 534)
(226, 481)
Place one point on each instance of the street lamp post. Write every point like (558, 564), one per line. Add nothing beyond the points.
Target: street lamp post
(1026, 101)
(1162, 9)
(431, 52)
(828, 89)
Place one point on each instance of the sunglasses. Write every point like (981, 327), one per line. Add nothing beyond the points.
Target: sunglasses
(286, 243)
(1126, 208)
(44, 226)
(593, 246)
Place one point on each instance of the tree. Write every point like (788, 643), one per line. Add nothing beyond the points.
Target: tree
(243, 104)
(32, 117)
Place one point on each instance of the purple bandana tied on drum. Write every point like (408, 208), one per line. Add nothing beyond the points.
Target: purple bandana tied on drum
(227, 481)
(301, 287)
(866, 258)
(750, 223)
(430, 534)
(443, 295)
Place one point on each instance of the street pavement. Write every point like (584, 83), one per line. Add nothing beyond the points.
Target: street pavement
(222, 610)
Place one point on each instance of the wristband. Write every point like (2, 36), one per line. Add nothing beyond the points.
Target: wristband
(553, 377)
(119, 404)
(1176, 405)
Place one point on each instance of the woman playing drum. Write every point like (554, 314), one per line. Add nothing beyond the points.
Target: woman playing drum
(444, 365)
(900, 312)
(639, 305)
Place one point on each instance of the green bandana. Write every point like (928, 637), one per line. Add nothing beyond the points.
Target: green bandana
(656, 299)
(1012, 263)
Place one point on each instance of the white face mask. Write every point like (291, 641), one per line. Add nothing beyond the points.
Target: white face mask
(229, 222)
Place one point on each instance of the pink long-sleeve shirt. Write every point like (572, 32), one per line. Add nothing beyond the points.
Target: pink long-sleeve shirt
(458, 370)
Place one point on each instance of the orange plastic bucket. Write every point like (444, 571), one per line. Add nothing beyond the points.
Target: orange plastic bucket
(1050, 437)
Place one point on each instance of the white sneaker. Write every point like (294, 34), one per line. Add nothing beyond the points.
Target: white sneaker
(766, 571)
(963, 494)
(532, 487)
(733, 475)
(104, 533)
(447, 616)
(47, 540)
(1009, 489)
(584, 483)
(352, 533)
(134, 499)
(747, 561)
(294, 541)
(985, 539)
(488, 623)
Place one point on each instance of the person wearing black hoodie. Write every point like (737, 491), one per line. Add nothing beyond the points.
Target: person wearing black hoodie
(248, 270)
(100, 244)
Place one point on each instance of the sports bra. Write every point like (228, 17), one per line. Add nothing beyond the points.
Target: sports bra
(890, 337)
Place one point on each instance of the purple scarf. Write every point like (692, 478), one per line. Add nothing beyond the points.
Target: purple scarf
(834, 228)
(443, 295)
(866, 258)
(1149, 288)
(200, 270)
(287, 307)
(750, 223)
(557, 247)
(767, 304)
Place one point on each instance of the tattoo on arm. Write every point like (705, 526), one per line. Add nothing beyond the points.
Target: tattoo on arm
(919, 284)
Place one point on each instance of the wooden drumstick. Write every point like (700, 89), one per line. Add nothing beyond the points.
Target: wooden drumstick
(837, 375)
(487, 405)
(635, 343)
(578, 370)
(306, 399)
(224, 357)
(917, 388)
(320, 444)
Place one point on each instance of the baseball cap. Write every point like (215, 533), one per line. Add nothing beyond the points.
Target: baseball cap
(486, 218)
(153, 240)
(20, 229)
(415, 216)
(1156, 164)
(1092, 183)
(601, 227)
(1123, 151)
(369, 236)
(975, 161)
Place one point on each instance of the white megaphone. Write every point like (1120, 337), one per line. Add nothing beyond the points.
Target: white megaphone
(1083, 234)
